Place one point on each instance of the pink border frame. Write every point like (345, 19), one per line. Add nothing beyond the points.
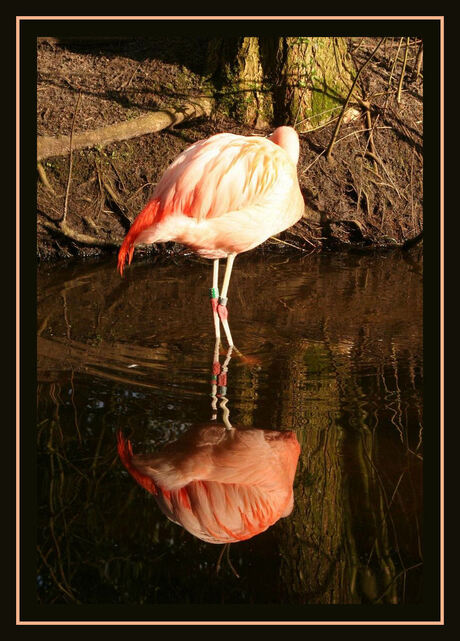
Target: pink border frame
(181, 623)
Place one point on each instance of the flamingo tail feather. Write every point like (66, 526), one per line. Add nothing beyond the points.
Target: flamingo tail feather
(125, 452)
(145, 219)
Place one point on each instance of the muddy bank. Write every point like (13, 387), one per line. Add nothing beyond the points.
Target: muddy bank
(370, 195)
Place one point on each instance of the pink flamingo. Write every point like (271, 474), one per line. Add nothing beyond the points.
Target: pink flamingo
(222, 484)
(223, 196)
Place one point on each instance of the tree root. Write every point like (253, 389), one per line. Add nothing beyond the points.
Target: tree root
(59, 145)
(65, 230)
(44, 178)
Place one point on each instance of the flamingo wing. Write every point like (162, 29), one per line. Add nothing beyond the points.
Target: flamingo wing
(223, 173)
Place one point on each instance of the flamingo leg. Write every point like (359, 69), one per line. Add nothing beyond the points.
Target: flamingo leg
(216, 369)
(222, 306)
(214, 293)
(222, 389)
(219, 385)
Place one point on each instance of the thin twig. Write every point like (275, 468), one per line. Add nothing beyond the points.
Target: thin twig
(321, 113)
(55, 579)
(403, 572)
(283, 242)
(370, 125)
(403, 71)
(352, 133)
(418, 62)
(339, 122)
(67, 191)
(126, 85)
(391, 76)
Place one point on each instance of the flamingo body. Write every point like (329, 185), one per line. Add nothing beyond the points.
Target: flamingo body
(221, 485)
(223, 195)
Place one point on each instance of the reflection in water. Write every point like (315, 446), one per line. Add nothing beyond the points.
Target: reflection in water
(338, 342)
(221, 483)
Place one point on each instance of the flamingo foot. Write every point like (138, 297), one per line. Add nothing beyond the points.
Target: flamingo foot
(250, 361)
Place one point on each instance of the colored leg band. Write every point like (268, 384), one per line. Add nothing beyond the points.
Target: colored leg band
(222, 311)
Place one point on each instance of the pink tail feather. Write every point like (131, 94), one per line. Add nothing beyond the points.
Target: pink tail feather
(125, 452)
(145, 219)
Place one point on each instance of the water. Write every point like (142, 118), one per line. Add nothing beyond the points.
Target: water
(332, 349)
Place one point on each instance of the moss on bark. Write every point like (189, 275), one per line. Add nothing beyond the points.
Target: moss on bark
(298, 81)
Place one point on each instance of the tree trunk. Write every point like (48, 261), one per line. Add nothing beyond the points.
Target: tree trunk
(311, 539)
(335, 546)
(272, 81)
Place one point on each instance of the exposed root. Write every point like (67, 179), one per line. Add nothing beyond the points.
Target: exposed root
(44, 178)
(64, 229)
(59, 145)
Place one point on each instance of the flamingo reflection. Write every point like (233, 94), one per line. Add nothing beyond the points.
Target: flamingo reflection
(222, 483)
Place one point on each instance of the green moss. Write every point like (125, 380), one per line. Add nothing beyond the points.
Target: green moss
(323, 105)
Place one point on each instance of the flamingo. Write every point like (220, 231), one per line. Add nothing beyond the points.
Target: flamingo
(222, 196)
(223, 485)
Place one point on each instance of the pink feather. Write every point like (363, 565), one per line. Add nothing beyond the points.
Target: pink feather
(221, 485)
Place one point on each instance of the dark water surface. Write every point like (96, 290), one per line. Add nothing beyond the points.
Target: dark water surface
(334, 353)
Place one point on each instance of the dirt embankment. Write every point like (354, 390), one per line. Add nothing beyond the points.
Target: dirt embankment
(369, 195)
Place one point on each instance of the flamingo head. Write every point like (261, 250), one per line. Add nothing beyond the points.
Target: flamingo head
(288, 139)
